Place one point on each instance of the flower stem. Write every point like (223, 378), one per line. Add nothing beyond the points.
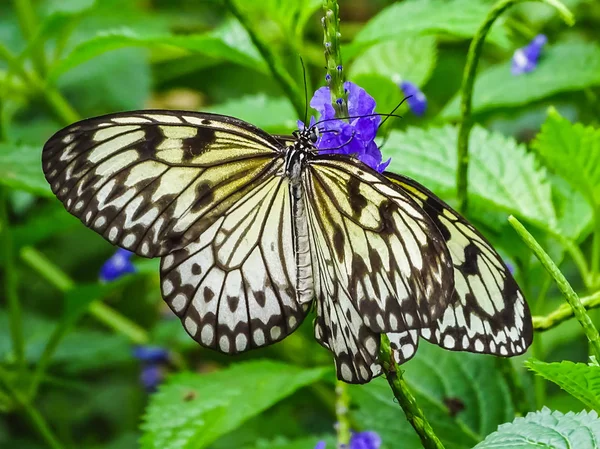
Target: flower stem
(563, 313)
(468, 80)
(333, 56)
(28, 23)
(578, 309)
(103, 313)
(405, 398)
(594, 275)
(275, 65)
(10, 284)
(342, 406)
(32, 413)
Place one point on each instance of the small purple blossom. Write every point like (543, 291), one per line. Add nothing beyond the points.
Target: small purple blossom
(359, 440)
(117, 265)
(353, 137)
(417, 102)
(525, 59)
(151, 354)
(151, 377)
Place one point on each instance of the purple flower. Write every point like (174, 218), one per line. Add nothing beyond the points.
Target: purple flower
(359, 440)
(117, 265)
(525, 59)
(365, 440)
(151, 377)
(151, 354)
(355, 136)
(417, 102)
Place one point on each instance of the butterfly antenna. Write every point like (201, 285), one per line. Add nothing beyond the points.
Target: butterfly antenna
(375, 114)
(305, 92)
(391, 114)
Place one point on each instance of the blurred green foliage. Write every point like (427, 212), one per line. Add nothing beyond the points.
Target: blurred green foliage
(68, 378)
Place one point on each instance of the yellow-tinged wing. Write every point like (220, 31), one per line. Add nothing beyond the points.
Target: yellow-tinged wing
(380, 264)
(152, 181)
(488, 312)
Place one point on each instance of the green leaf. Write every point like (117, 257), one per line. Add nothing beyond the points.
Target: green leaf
(565, 67)
(269, 113)
(21, 168)
(229, 42)
(443, 382)
(410, 59)
(573, 152)
(547, 429)
(503, 176)
(578, 379)
(459, 18)
(191, 410)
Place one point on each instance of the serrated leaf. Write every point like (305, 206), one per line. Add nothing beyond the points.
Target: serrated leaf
(220, 402)
(21, 168)
(573, 152)
(460, 18)
(565, 67)
(578, 379)
(464, 397)
(229, 42)
(502, 175)
(547, 429)
(411, 59)
(269, 113)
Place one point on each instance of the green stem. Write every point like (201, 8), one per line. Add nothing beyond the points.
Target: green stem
(563, 313)
(333, 56)
(342, 406)
(32, 413)
(275, 65)
(103, 313)
(10, 284)
(594, 275)
(405, 398)
(28, 23)
(468, 80)
(578, 309)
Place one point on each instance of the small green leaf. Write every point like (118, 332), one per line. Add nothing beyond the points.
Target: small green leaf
(460, 18)
(21, 168)
(572, 151)
(565, 67)
(269, 113)
(464, 397)
(192, 410)
(547, 429)
(411, 59)
(578, 379)
(503, 176)
(229, 42)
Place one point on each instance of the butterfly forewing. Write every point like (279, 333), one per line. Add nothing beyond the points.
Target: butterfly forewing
(488, 312)
(152, 181)
(380, 262)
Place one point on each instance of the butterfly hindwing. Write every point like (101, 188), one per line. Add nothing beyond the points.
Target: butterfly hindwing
(151, 181)
(380, 262)
(488, 312)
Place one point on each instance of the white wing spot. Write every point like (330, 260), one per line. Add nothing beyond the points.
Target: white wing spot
(275, 332)
(224, 343)
(178, 302)
(167, 287)
(207, 335)
(241, 341)
(191, 326)
(478, 345)
(449, 341)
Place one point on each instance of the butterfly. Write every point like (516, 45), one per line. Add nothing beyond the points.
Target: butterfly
(254, 230)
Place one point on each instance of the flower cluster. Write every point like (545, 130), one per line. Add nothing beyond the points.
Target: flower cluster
(359, 440)
(353, 137)
(154, 360)
(117, 265)
(526, 59)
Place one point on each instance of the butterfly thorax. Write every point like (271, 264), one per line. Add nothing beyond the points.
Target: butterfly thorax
(297, 154)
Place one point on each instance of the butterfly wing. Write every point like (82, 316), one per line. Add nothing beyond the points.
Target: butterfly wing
(152, 181)
(488, 312)
(380, 262)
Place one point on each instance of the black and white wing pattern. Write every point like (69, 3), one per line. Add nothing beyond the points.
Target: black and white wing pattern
(201, 191)
(380, 263)
(153, 181)
(488, 313)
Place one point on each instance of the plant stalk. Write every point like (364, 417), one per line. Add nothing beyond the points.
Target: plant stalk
(578, 309)
(342, 407)
(333, 57)
(563, 313)
(407, 401)
(468, 81)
